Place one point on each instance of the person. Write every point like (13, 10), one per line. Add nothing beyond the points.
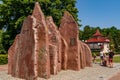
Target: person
(111, 54)
(101, 57)
(94, 58)
(105, 61)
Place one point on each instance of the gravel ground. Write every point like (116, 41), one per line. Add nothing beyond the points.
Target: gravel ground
(96, 72)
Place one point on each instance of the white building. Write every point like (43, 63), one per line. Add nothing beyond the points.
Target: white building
(98, 42)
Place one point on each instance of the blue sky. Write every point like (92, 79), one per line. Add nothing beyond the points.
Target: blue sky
(102, 13)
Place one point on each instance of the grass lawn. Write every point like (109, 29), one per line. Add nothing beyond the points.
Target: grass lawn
(116, 59)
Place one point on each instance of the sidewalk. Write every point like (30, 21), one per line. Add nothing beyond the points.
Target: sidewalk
(115, 77)
(3, 67)
(96, 72)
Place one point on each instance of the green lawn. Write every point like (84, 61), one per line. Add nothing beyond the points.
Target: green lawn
(116, 59)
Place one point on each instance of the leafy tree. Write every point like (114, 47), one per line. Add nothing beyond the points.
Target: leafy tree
(86, 30)
(13, 12)
(1, 46)
(115, 38)
(80, 34)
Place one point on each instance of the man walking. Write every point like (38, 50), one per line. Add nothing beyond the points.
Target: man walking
(111, 54)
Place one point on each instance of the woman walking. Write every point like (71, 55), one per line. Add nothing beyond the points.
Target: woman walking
(111, 54)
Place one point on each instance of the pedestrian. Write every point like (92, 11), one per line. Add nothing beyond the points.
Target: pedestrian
(101, 57)
(111, 54)
(94, 57)
(105, 61)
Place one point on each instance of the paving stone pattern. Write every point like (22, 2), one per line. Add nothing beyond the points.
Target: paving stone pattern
(96, 72)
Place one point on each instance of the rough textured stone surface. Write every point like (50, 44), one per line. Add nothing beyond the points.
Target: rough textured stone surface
(54, 38)
(25, 55)
(11, 53)
(33, 50)
(69, 31)
(41, 49)
(41, 43)
(82, 55)
(64, 51)
(85, 55)
(23, 58)
(59, 52)
(53, 59)
(88, 55)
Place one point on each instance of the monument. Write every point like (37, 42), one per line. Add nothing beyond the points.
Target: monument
(41, 49)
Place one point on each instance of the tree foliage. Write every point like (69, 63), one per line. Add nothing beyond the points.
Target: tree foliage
(13, 12)
(88, 31)
(2, 50)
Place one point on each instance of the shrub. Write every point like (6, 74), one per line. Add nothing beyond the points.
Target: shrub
(117, 53)
(3, 59)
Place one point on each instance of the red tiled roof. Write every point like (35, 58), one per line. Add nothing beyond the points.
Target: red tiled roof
(97, 39)
(97, 33)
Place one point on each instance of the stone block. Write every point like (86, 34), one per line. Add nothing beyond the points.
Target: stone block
(69, 31)
(53, 59)
(54, 38)
(41, 43)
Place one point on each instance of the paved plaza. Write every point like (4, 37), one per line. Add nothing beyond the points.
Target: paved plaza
(96, 72)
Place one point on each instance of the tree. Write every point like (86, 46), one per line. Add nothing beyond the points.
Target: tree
(115, 38)
(1, 46)
(13, 12)
(80, 34)
(88, 32)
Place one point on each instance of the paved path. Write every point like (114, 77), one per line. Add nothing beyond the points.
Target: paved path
(96, 72)
(3, 67)
(115, 77)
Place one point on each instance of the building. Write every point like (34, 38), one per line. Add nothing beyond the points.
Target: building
(98, 42)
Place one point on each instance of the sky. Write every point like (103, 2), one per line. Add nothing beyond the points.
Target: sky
(102, 13)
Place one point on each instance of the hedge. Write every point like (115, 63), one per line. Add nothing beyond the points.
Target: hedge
(3, 59)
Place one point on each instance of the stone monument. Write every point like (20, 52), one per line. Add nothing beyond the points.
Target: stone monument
(41, 49)
(69, 31)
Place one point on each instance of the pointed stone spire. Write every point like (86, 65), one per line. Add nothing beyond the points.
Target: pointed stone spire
(54, 39)
(22, 52)
(41, 43)
(67, 17)
(37, 12)
(69, 31)
(50, 23)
